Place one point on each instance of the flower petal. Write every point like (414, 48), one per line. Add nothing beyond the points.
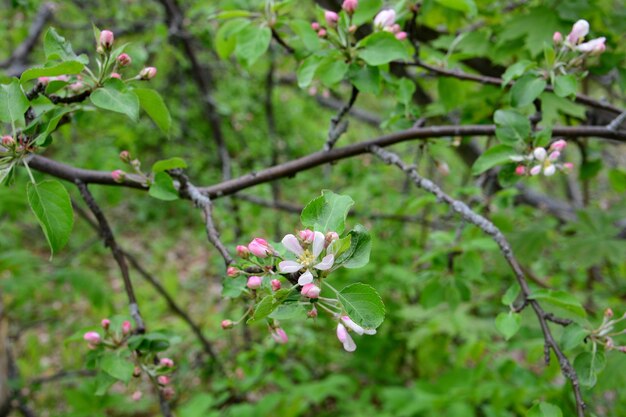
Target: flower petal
(369, 331)
(318, 243)
(352, 325)
(290, 242)
(289, 266)
(305, 278)
(326, 263)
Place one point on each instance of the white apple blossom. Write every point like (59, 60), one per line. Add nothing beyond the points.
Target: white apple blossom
(306, 258)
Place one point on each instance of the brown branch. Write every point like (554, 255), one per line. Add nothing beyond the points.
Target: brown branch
(109, 241)
(490, 229)
(171, 302)
(580, 98)
(281, 42)
(292, 167)
(190, 191)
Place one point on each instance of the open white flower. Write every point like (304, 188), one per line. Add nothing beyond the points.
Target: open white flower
(306, 258)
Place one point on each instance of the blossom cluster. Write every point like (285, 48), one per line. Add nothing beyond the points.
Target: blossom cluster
(304, 264)
(385, 20)
(606, 333)
(113, 339)
(574, 40)
(542, 160)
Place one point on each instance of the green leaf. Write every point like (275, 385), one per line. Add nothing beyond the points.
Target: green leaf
(13, 103)
(163, 187)
(559, 299)
(233, 287)
(381, 48)
(104, 381)
(544, 410)
(264, 308)
(590, 169)
(565, 85)
(405, 90)
(617, 179)
(526, 90)
(542, 137)
(63, 68)
(113, 97)
(168, 164)
(365, 78)
(466, 6)
(358, 254)
(332, 70)
(513, 127)
(226, 36)
(306, 70)
(327, 213)
(117, 367)
(304, 32)
(516, 70)
(288, 311)
(50, 202)
(508, 324)
(363, 304)
(57, 48)
(366, 11)
(511, 295)
(231, 14)
(55, 117)
(252, 42)
(153, 104)
(573, 336)
(150, 342)
(587, 366)
(496, 155)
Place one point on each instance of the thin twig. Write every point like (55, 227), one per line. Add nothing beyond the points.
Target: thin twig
(281, 42)
(617, 122)
(337, 125)
(110, 242)
(490, 229)
(200, 200)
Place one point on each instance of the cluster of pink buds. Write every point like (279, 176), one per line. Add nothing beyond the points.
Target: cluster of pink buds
(110, 339)
(574, 40)
(543, 161)
(386, 20)
(606, 333)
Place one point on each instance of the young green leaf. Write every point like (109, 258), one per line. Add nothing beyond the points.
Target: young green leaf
(508, 324)
(358, 254)
(50, 202)
(327, 213)
(13, 103)
(381, 48)
(588, 365)
(363, 304)
(62, 68)
(153, 104)
(513, 127)
(117, 367)
(113, 97)
(526, 90)
(163, 187)
(57, 48)
(496, 155)
(252, 42)
(565, 85)
(544, 410)
(167, 164)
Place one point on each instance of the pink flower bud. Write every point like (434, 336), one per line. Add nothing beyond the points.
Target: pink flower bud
(254, 282)
(275, 284)
(118, 175)
(352, 29)
(106, 323)
(231, 271)
(116, 75)
(8, 141)
(520, 170)
(167, 362)
(306, 235)
(136, 396)
(126, 327)
(321, 33)
(63, 78)
(385, 19)
(163, 380)
(93, 338)
(350, 6)
(312, 313)
(77, 86)
(593, 47)
(401, 36)
(622, 349)
(536, 170)
(315, 26)
(279, 335)
(557, 38)
(608, 313)
(310, 291)
(227, 324)
(568, 166)
(554, 155)
(43, 80)
(125, 156)
(330, 238)
(259, 247)
(242, 251)
(106, 39)
(148, 73)
(345, 338)
(168, 393)
(137, 372)
(124, 60)
(579, 31)
(331, 18)
(395, 28)
(559, 145)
